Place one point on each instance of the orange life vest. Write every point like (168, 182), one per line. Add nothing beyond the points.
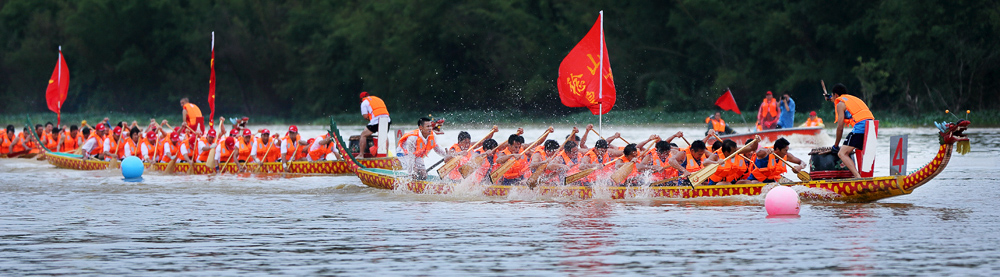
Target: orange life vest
(193, 113)
(17, 143)
(203, 154)
(70, 143)
(150, 150)
(290, 147)
(421, 147)
(121, 148)
(718, 125)
(634, 172)
(574, 166)
(518, 168)
(378, 107)
(113, 144)
(691, 164)
(158, 154)
(857, 108)
(174, 150)
(668, 172)
(320, 151)
(5, 142)
(226, 154)
(245, 149)
(729, 170)
(50, 143)
(267, 152)
(773, 170)
(769, 108)
(813, 123)
(98, 145)
(598, 158)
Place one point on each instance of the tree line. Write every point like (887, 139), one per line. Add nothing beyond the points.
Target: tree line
(306, 58)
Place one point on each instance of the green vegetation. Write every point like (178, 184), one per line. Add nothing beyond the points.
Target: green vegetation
(300, 60)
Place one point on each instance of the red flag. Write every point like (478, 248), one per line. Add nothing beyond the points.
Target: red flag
(580, 82)
(55, 94)
(211, 87)
(727, 102)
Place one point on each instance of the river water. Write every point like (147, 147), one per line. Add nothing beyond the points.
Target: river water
(58, 221)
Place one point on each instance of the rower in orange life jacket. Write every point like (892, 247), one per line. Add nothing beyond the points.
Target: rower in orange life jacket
(94, 145)
(657, 163)
(246, 146)
(130, 147)
(69, 142)
(768, 168)
(415, 145)
(519, 169)
(374, 110)
(267, 149)
(321, 147)
(21, 142)
(290, 146)
(463, 144)
(629, 154)
(110, 144)
(849, 108)
(206, 145)
(732, 170)
(813, 121)
(548, 152)
(767, 115)
(689, 160)
(147, 147)
(489, 154)
(171, 148)
(6, 139)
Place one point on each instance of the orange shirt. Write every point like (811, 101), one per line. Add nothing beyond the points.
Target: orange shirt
(267, 152)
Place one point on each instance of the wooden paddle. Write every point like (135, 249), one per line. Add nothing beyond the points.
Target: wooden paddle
(540, 169)
(802, 174)
(623, 171)
(700, 176)
(584, 173)
(230, 159)
(211, 162)
(496, 175)
(602, 137)
(455, 161)
(170, 166)
(473, 165)
(260, 166)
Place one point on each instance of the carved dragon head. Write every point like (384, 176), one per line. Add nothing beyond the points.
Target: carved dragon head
(954, 132)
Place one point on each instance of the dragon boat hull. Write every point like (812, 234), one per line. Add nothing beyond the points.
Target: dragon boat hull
(846, 190)
(77, 162)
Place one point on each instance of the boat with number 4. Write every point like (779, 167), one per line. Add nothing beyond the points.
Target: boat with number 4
(847, 190)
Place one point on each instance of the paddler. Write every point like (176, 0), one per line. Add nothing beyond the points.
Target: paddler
(6, 140)
(110, 144)
(716, 123)
(50, 138)
(463, 144)
(768, 168)
(147, 148)
(813, 121)
(320, 148)
(373, 109)
(545, 156)
(853, 109)
(290, 146)
(489, 154)
(415, 145)
(171, 148)
(786, 106)
(246, 147)
(729, 170)
(689, 159)
(131, 146)
(628, 158)
(68, 142)
(658, 162)
(767, 114)
(267, 149)
(518, 169)
(22, 142)
(94, 146)
(191, 115)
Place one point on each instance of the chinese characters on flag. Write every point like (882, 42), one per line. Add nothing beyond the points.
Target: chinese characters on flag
(585, 78)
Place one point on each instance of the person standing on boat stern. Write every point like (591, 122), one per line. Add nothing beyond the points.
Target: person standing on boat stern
(853, 109)
(767, 114)
(374, 110)
(813, 121)
(414, 146)
(786, 106)
(191, 115)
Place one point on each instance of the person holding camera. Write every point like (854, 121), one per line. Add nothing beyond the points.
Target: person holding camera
(786, 107)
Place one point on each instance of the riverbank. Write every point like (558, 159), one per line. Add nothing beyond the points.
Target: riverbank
(639, 118)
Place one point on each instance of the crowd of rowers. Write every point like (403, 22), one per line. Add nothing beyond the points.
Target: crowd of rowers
(664, 161)
(159, 142)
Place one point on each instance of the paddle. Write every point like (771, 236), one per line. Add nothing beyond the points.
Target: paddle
(623, 171)
(471, 166)
(802, 174)
(171, 165)
(260, 166)
(211, 162)
(602, 137)
(584, 173)
(455, 161)
(496, 175)
(700, 176)
(540, 169)
(230, 159)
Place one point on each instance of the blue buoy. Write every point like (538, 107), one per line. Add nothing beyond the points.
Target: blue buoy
(132, 168)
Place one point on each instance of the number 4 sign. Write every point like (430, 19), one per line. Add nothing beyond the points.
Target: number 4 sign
(898, 151)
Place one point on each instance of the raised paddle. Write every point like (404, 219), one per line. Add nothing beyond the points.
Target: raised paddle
(456, 161)
(802, 174)
(602, 137)
(496, 175)
(473, 165)
(584, 173)
(540, 170)
(623, 171)
(700, 176)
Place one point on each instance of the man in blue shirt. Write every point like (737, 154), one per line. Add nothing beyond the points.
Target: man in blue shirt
(787, 108)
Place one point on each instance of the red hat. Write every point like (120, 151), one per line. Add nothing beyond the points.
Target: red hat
(293, 129)
(117, 130)
(769, 92)
(177, 129)
(812, 113)
(175, 136)
(230, 143)
(234, 132)
(265, 131)
(191, 140)
(363, 95)
(151, 136)
(247, 133)
(245, 119)
(211, 132)
(102, 127)
(310, 141)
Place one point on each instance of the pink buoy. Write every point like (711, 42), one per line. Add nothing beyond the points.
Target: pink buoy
(782, 200)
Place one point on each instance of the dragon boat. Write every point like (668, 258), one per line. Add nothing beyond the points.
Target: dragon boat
(846, 190)
(71, 161)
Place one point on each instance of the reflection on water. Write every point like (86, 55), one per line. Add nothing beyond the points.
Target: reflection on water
(57, 221)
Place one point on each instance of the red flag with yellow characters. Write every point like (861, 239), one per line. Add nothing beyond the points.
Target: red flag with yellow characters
(585, 78)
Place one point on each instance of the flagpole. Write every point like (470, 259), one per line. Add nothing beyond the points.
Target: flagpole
(59, 81)
(600, 80)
